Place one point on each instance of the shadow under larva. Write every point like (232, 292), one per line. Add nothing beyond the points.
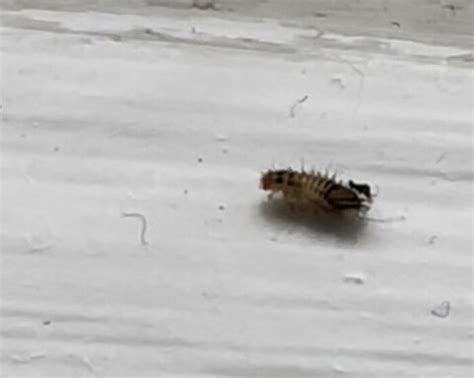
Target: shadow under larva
(344, 228)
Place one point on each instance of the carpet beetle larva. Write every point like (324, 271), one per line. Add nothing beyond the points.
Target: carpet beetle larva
(314, 189)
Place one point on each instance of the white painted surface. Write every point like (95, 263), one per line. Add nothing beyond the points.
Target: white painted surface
(173, 113)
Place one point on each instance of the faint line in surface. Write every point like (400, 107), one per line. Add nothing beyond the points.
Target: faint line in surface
(293, 107)
(143, 223)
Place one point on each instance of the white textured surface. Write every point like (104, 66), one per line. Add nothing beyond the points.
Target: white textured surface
(172, 113)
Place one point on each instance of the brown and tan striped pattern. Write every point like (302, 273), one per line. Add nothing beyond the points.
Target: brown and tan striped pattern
(314, 189)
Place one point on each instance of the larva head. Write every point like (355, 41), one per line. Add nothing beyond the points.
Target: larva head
(272, 180)
(361, 189)
(266, 180)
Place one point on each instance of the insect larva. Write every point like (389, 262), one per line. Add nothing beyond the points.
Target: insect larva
(313, 189)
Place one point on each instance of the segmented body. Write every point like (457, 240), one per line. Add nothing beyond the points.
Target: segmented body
(316, 189)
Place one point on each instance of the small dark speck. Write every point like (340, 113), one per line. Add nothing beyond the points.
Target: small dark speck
(247, 40)
(56, 149)
(47, 322)
(209, 296)
(440, 158)
(185, 191)
(442, 311)
(432, 239)
(396, 23)
(354, 279)
(221, 207)
(452, 8)
(200, 160)
(320, 15)
(204, 5)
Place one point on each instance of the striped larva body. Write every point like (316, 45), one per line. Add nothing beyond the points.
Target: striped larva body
(315, 190)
